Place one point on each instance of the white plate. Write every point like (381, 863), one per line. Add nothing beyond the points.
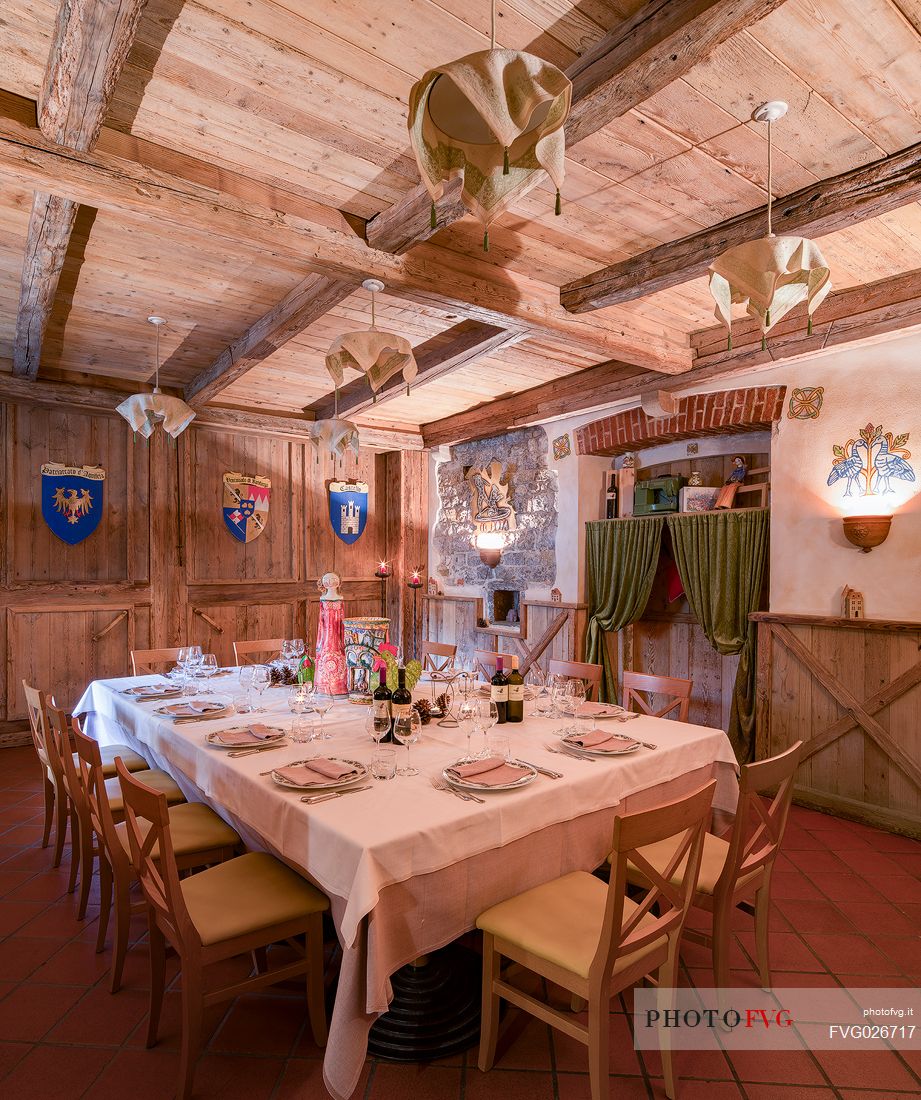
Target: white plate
(155, 692)
(472, 784)
(330, 784)
(603, 752)
(221, 708)
(615, 712)
(214, 739)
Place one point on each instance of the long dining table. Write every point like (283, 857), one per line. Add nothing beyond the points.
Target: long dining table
(408, 868)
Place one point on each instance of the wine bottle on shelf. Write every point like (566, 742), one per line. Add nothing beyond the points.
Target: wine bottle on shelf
(514, 711)
(401, 701)
(499, 690)
(381, 703)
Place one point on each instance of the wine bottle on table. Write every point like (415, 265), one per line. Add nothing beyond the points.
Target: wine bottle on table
(381, 705)
(499, 690)
(402, 701)
(514, 711)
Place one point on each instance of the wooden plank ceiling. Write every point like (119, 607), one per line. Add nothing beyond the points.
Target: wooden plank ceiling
(299, 106)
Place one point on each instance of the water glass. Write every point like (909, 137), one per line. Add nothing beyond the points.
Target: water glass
(207, 669)
(467, 718)
(302, 729)
(262, 678)
(497, 745)
(489, 714)
(384, 764)
(321, 703)
(377, 726)
(407, 729)
(576, 692)
(297, 648)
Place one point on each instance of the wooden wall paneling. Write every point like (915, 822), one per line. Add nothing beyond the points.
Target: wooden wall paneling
(902, 719)
(406, 477)
(167, 543)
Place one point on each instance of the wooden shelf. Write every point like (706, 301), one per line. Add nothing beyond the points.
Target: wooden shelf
(898, 626)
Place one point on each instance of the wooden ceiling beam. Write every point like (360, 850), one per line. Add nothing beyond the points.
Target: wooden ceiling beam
(435, 358)
(630, 64)
(462, 285)
(306, 303)
(821, 208)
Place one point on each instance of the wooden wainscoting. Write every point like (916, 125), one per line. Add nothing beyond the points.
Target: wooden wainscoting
(851, 690)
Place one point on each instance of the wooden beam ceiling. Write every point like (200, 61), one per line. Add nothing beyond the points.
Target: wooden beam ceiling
(91, 41)
(630, 64)
(447, 352)
(821, 208)
(308, 301)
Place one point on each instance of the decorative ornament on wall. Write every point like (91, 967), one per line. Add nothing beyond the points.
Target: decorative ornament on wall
(348, 509)
(494, 117)
(805, 403)
(562, 447)
(490, 506)
(246, 504)
(869, 463)
(72, 499)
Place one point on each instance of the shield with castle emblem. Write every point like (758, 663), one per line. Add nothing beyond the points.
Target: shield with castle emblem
(72, 499)
(348, 508)
(246, 505)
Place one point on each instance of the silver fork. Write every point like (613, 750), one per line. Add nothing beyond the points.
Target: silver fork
(462, 795)
(571, 755)
(253, 751)
(313, 799)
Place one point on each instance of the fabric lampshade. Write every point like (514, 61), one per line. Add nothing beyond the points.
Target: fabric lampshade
(336, 436)
(378, 355)
(144, 411)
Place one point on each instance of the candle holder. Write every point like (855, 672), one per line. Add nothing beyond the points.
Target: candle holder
(415, 583)
(383, 573)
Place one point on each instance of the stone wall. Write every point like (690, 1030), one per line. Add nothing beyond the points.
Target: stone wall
(530, 558)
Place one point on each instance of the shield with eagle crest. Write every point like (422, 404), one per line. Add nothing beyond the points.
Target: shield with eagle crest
(246, 505)
(72, 499)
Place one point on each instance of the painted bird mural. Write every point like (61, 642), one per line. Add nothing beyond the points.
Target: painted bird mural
(888, 466)
(851, 468)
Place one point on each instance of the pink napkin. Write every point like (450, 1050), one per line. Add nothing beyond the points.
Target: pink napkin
(152, 690)
(597, 710)
(192, 708)
(313, 772)
(599, 740)
(249, 736)
(493, 771)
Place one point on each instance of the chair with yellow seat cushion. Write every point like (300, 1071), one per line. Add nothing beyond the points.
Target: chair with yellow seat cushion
(57, 805)
(590, 938)
(240, 906)
(736, 873)
(132, 760)
(200, 838)
(61, 729)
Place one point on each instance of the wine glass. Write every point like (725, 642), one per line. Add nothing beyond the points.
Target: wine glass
(407, 729)
(467, 720)
(489, 716)
(262, 678)
(559, 693)
(377, 725)
(576, 692)
(207, 669)
(244, 702)
(321, 704)
(287, 651)
(297, 648)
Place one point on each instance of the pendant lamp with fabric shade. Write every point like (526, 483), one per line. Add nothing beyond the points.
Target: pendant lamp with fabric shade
(495, 117)
(771, 275)
(145, 411)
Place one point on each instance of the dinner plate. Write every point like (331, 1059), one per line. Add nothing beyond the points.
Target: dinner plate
(214, 739)
(471, 784)
(221, 709)
(603, 752)
(615, 712)
(167, 691)
(360, 775)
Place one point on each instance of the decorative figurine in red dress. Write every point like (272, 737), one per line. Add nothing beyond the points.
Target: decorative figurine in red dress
(331, 678)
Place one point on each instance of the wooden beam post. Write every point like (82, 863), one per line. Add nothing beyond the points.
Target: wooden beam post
(407, 476)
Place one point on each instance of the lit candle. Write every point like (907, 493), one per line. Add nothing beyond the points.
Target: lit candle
(415, 581)
(383, 570)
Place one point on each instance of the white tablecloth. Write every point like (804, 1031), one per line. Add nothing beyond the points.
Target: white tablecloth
(403, 831)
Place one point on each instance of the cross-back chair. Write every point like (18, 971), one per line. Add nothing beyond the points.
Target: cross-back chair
(144, 661)
(237, 907)
(201, 837)
(637, 685)
(438, 656)
(486, 661)
(589, 674)
(57, 804)
(252, 653)
(736, 873)
(590, 938)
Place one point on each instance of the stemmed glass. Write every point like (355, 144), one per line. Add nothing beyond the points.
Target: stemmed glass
(207, 669)
(297, 648)
(262, 677)
(321, 704)
(467, 720)
(488, 717)
(299, 705)
(377, 726)
(559, 693)
(576, 692)
(245, 679)
(407, 729)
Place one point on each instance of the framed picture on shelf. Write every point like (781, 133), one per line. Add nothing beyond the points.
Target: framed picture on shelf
(697, 498)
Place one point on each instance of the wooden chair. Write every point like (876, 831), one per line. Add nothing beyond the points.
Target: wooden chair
(736, 873)
(486, 661)
(237, 907)
(84, 849)
(200, 837)
(35, 709)
(144, 661)
(589, 674)
(252, 653)
(57, 804)
(639, 684)
(438, 656)
(589, 937)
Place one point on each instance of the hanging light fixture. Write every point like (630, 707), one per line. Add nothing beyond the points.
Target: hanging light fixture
(378, 355)
(335, 435)
(144, 411)
(771, 275)
(496, 117)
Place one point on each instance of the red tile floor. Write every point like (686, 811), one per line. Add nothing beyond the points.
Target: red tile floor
(847, 911)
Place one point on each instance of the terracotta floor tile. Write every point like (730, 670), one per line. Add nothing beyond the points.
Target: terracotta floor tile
(788, 1092)
(820, 859)
(138, 1074)
(707, 1065)
(871, 1069)
(57, 921)
(896, 887)
(814, 916)
(788, 952)
(169, 1033)
(878, 916)
(849, 954)
(873, 863)
(909, 861)
(10, 1054)
(73, 963)
(793, 884)
(21, 955)
(101, 1017)
(905, 952)
(30, 1011)
(572, 1056)
(788, 1067)
(261, 1024)
(421, 1082)
(575, 1086)
(509, 1084)
(524, 1042)
(891, 842)
(46, 886)
(55, 1073)
(232, 1077)
(845, 887)
(12, 880)
(701, 1090)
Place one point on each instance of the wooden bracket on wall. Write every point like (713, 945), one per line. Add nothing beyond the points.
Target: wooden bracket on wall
(208, 620)
(543, 641)
(112, 625)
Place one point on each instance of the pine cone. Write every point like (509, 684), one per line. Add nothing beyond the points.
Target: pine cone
(424, 709)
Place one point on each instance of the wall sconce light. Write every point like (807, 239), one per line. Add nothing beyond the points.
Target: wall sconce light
(865, 532)
(490, 545)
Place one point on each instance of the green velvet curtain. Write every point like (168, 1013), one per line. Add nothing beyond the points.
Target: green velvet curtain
(721, 557)
(621, 559)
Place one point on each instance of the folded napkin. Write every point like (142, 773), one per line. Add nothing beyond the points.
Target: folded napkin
(316, 771)
(598, 710)
(192, 708)
(249, 735)
(492, 771)
(153, 691)
(600, 740)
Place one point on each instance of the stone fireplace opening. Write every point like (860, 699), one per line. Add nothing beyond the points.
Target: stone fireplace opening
(504, 600)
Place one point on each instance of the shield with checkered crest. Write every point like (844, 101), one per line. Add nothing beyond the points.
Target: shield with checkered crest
(246, 505)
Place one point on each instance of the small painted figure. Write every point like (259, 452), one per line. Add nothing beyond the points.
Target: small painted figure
(727, 494)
